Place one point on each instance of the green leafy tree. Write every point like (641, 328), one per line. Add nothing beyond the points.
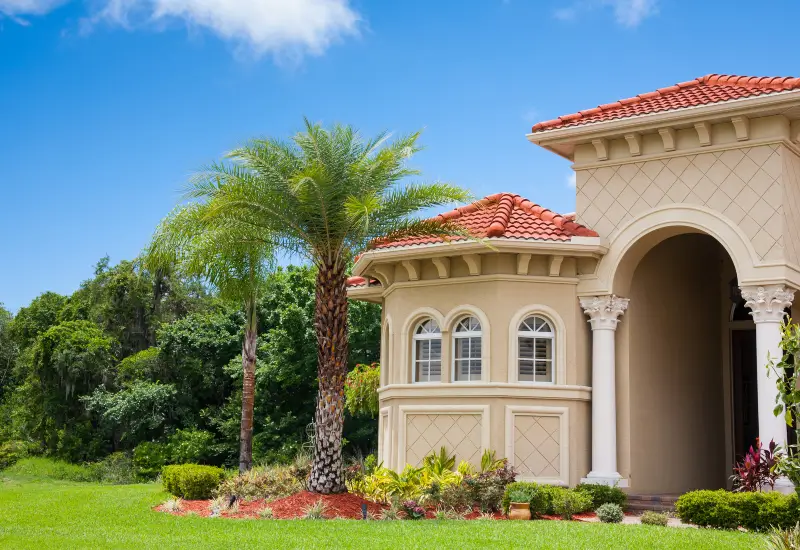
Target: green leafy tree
(235, 260)
(8, 350)
(36, 318)
(326, 195)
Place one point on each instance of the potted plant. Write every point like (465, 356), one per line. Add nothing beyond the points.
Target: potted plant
(520, 506)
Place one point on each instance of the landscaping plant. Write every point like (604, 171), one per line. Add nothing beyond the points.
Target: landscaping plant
(413, 510)
(654, 518)
(569, 502)
(787, 403)
(326, 195)
(784, 539)
(315, 511)
(191, 481)
(758, 469)
(603, 494)
(757, 511)
(610, 513)
(361, 390)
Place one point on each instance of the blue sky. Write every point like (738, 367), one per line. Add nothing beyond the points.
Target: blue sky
(106, 106)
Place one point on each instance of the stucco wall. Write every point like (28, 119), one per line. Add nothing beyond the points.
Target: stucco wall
(676, 430)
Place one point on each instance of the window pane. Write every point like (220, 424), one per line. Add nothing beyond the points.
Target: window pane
(436, 349)
(544, 371)
(525, 371)
(526, 348)
(435, 371)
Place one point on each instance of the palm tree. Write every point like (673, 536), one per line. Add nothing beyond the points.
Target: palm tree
(326, 195)
(235, 260)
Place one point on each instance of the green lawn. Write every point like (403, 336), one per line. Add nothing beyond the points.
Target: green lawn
(37, 513)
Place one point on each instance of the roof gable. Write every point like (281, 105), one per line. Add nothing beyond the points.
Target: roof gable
(712, 88)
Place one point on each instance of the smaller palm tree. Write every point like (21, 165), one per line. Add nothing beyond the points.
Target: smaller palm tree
(327, 194)
(234, 259)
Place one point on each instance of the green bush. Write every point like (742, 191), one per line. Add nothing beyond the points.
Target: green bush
(149, 458)
(53, 469)
(569, 502)
(116, 468)
(12, 451)
(264, 482)
(610, 513)
(603, 494)
(190, 446)
(513, 489)
(541, 497)
(654, 518)
(191, 481)
(726, 510)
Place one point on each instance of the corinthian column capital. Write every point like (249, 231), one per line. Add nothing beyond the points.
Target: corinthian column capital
(767, 302)
(604, 311)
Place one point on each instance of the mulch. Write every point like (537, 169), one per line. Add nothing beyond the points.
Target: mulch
(344, 506)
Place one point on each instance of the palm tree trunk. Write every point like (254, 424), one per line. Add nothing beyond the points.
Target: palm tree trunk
(330, 322)
(248, 388)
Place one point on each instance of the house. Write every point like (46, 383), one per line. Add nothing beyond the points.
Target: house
(625, 344)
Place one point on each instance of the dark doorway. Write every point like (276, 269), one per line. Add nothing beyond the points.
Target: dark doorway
(745, 392)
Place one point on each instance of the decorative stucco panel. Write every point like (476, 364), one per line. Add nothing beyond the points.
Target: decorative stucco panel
(537, 446)
(791, 205)
(459, 433)
(743, 184)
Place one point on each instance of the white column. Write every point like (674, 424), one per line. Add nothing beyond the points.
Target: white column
(767, 304)
(604, 313)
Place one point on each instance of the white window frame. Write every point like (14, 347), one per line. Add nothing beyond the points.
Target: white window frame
(560, 347)
(551, 335)
(454, 346)
(429, 336)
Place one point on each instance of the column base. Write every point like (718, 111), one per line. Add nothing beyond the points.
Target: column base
(612, 479)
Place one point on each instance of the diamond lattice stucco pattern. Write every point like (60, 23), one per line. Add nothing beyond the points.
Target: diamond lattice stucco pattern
(743, 184)
(460, 434)
(537, 446)
(791, 206)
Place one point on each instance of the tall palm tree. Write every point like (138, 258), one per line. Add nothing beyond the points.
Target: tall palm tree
(326, 195)
(233, 258)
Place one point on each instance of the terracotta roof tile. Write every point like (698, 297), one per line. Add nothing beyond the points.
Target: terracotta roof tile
(504, 215)
(712, 88)
(360, 281)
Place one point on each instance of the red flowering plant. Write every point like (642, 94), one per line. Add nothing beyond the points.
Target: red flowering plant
(758, 469)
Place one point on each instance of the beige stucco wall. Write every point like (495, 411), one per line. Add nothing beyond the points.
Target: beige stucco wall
(544, 429)
(672, 432)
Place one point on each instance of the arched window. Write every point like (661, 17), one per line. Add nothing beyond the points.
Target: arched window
(535, 343)
(467, 339)
(427, 352)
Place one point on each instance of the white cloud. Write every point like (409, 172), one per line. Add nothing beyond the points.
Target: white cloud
(283, 27)
(628, 13)
(572, 180)
(14, 8)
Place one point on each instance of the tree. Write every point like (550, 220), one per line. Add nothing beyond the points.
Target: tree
(326, 195)
(8, 349)
(234, 259)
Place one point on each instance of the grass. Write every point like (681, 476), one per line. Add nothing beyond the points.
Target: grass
(42, 513)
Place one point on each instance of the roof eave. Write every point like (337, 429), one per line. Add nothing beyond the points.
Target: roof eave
(576, 247)
(687, 115)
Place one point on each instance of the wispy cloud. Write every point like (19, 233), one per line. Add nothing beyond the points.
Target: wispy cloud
(628, 13)
(572, 180)
(294, 28)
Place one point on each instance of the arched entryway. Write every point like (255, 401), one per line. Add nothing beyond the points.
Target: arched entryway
(669, 406)
(674, 368)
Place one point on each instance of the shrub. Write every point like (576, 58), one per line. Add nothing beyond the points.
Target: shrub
(725, 510)
(654, 518)
(541, 497)
(173, 505)
(266, 513)
(190, 446)
(116, 468)
(148, 459)
(191, 481)
(707, 509)
(569, 502)
(489, 486)
(361, 390)
(263, 482)
(12, 451)
(610, 513)
(603, 494)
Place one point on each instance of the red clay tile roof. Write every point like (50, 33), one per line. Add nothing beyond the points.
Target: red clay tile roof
(712, 88)
(508, 216)
(356, 281)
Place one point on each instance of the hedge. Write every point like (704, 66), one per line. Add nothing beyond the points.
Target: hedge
(543, 498)
(726, 510)
(191, 481)
(603, 494)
